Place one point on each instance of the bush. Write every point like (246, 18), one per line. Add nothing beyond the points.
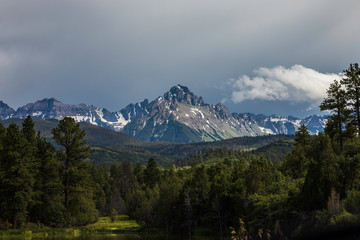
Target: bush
(113, 214)
(352, 201)
(346, 218)
(56, 215)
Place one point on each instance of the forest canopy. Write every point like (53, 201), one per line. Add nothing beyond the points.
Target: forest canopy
(315, 187)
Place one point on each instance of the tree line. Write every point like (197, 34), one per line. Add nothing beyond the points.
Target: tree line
(41, 184)
(316, 186)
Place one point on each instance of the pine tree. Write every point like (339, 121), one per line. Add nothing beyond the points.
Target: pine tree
(303, 136)
(49, 207)
(2, 169)
(28, 130)
(336, 103)
(17, 179)
(296, 163)
(69, 135)
(151, 173)
(352, 85)
(322, 174)
(2, 135)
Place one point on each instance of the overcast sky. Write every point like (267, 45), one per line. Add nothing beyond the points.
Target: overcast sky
(254, 56)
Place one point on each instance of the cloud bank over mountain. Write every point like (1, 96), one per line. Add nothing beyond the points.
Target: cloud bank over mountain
(294, 84)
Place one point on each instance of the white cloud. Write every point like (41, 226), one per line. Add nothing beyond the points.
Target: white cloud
(294, 84)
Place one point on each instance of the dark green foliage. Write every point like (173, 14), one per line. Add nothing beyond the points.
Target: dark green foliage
(169, 200)
(220, 186)
(275, 152)
(122, 182)
(109, 147)
(76, 178)
(351, 81)
(303, 136)
(48, 186)
(17, 179)
(322, 174)
(69, 136)
(151, 173)
(286, 187)
(336, 103)
(296, 163)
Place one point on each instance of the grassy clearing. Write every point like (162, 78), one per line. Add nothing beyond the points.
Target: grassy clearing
(121, 223)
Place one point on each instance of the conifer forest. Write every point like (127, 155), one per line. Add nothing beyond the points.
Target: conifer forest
(223, 192)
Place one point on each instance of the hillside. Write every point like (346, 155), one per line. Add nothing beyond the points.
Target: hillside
(109, 147)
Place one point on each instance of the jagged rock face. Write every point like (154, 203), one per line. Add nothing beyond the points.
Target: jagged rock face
(5, 111)
(203, 121)
(183, 95)
(177, 116)
(51, 108)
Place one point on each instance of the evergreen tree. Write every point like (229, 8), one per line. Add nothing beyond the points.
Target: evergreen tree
(29, 134)
(303, 136)
(151, 173)
(28, 130)
(322, 174)
(122, 182)
(78, 193)
(336, 103)
(352, 85)
(2, 170)
(69, 135)
(49, 207)
(196, 192)
(2, 136)
(17, 179)
(296, 163)
(101, 184)
(170, 197)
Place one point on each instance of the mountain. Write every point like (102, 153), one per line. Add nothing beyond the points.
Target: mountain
(50, 108)
(177, 116)
(181, 116)
(5, 111)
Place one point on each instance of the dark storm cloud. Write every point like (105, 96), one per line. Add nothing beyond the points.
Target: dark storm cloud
(111, 53)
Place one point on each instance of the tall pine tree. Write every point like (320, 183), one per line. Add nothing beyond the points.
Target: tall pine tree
(336, 103)
(69, 135)
(78, 193)
(17, 178)
(352, 85)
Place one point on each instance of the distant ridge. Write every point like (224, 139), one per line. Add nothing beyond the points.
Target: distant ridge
(177, 116)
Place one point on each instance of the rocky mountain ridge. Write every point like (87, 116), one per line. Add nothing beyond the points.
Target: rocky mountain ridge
(177, 116)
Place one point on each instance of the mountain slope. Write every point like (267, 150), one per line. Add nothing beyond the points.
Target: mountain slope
(5, 111)
(50, 108)
(177, 116)
(109, 147)
(180, 116)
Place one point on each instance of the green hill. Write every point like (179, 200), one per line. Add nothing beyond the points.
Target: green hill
(108, 147)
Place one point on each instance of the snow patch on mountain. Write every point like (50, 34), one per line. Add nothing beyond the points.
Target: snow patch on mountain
(178, 115)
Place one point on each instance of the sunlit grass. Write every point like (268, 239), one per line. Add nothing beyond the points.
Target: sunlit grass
(120, 223)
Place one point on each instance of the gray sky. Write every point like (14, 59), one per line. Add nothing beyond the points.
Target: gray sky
(255, 56)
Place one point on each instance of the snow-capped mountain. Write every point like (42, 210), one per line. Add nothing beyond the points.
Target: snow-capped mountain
(5, 111)
(177, 116)
(49, 108)
(181, 116)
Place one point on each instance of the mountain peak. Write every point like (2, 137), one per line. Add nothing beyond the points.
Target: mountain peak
(5, 110)
(50, 100)
(184, 95)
